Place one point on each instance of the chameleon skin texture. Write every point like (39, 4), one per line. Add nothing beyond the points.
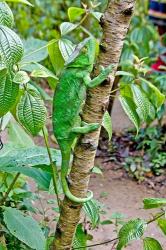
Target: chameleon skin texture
(67, 105)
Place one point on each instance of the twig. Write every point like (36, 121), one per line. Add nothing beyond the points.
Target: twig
(97, 244)
(4, 198)
(53, 166)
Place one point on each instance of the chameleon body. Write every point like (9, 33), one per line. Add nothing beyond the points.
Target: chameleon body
(67, 104)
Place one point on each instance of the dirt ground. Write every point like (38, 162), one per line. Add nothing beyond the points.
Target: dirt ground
(125, 196)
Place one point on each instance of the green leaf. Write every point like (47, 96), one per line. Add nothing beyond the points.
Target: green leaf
(97, 170)
(33, 162)
(66, 48)
(141, 101)
(31, 112)
(43, 72)
(97, 15)
(67, 27)
(6, 15)
(162, 225)
(18, 136)
(92, 210)
(74, 13)
(11, 47)
(80, 238)
(8, 93)
(132, 230)
(154, 202)
(129, 108)
(56, 57)
(107, 124)
(21, 77)
(124, 73)
(35, 50)
(24, 228)
(151, 244)
(20, 1)
(158, 96)
(2, 247)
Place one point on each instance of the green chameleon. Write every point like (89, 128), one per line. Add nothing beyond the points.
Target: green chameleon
(69, 97)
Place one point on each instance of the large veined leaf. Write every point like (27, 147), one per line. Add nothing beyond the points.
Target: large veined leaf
(24, 228)
(151, 244)
(162, 225)
(56, 57)
(132, 230)
(141, 101)
(35, 50)
(154, 202)
(6, 15)
(32, 162)
(130, 109)
(11, 47)
(31, 112)
(66, 47)
(8, 93)
(107, 124)
(92, 210)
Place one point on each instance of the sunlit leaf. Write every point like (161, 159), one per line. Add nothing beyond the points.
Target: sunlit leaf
(151, 244)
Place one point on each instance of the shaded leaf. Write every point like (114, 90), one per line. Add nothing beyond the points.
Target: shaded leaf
(18, 136)
(80, 238)
(24, 228)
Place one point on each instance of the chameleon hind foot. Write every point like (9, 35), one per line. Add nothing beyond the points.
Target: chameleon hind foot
(87, 128)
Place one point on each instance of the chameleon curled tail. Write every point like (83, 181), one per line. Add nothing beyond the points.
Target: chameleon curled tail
(64, 171)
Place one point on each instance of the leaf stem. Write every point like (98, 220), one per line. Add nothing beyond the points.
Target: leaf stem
(97, 244)
(4, 198)
(53, 166)
(156, 218)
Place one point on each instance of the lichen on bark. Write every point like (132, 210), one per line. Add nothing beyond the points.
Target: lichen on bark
(115, 23)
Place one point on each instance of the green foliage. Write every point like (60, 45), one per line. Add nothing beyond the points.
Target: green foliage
(107, 124)
(24, 228)
(132, 230)
(92, 210)
(31, 112)
(162, 225)
(154, 202)
(151, 244)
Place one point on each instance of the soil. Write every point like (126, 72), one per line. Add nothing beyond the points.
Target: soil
(125, 196)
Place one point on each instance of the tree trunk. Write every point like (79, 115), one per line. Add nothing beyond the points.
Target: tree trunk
(115, 24)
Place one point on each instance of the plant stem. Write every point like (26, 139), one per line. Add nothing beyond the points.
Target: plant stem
(53, 166)
(97, 244)
(156, 218)
(3, 200)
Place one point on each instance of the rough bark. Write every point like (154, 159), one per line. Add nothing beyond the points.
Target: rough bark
(115, 24)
